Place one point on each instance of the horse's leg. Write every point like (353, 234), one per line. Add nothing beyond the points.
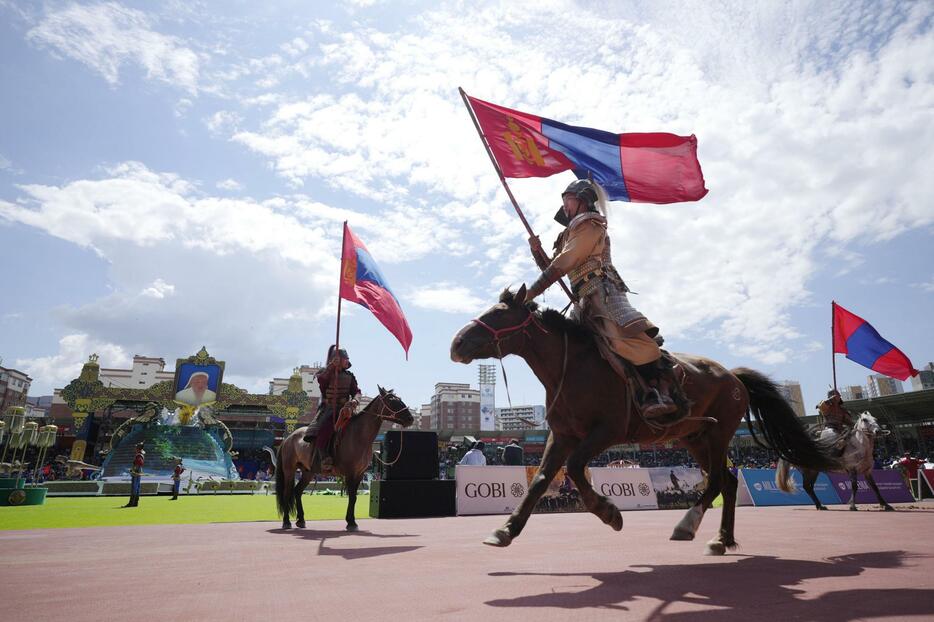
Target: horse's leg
(351, 483)
(810, 477)
(598, 440)
(556, 452)
(687, 527)
(299, 490)
(872, 484)
(726, 538)
(853, 476)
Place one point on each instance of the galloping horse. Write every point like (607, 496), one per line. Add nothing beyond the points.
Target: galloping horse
(856, 460)
(351, 458)
(589, 409)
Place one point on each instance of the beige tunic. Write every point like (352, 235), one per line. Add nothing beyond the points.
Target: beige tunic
(585, 240)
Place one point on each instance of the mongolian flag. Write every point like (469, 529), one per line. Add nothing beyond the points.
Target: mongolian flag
(644, 168)
(364, 284)
(854, 337)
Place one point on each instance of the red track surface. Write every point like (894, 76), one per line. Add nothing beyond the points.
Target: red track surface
(794, 564)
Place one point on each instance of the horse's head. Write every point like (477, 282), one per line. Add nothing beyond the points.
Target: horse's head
(867, 424)
(392, 408)
(500, 330)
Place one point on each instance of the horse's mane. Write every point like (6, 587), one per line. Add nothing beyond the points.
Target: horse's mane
(551, 319)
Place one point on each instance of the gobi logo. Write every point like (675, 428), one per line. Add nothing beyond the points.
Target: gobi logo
(517, 490)
(842, 485)
(485, 491)
(757, 486)
(616, 489)
(644, 489)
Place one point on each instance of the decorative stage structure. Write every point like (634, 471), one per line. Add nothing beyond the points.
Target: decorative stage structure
(190, 417)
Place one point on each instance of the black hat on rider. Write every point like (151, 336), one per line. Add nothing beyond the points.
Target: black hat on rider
(343, 354)
(584, 190)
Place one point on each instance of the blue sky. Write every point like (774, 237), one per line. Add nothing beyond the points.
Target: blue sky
(176, 174)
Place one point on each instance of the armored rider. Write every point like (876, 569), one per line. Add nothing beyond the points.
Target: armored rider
(836, 416)
(338, 389)
(582, 251)
(136, 474)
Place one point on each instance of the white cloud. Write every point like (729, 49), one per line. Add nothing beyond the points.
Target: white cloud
(107, 36)
(926, 287)
(159, 290)
(446, 297)
(229, 184)
(57, 370)
(812, 136)
(223, 121)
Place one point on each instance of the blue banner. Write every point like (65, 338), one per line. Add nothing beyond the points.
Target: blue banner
(764, 491)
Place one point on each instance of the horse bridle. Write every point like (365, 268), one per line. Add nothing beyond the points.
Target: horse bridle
(393, 415)
(498, 337)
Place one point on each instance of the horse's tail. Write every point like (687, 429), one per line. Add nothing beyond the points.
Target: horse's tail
(783, 478)
(284, 502)
(780, 427)
(272, 456)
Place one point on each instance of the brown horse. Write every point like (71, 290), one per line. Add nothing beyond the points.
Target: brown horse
(351, 459)
(589, 409)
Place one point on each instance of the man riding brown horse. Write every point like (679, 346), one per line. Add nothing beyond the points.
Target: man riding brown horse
(582, 251)
(339, 390)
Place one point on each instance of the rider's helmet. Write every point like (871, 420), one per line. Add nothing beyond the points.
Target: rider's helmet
(343, 354)
(583, 189)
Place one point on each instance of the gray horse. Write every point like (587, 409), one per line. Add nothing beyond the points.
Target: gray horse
(857, 460)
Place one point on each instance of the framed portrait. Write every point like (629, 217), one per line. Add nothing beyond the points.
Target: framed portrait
(197, 381)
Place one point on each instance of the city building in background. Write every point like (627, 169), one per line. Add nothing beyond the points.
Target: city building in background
(455, 406)
(791, 391)
(879, 386)
(309, 383)
(487, 383)
(924, 380)
(520, 418)
(145, 372)
(853, 392)
(14, 386)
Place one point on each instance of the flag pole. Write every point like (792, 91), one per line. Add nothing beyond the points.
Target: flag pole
(833, 336)
(337, 338)
(502, 179)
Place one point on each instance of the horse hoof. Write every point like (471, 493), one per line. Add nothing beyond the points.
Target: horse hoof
(681, 534)
(888, 508)
(300, 524)
(616, 522)
(715, 547)
(853, 508)
(352, 527)
(500, 538)
(822, 507)
(286, 525)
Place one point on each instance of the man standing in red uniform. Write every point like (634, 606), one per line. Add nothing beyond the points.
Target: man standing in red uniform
(136, 474)
(338, 389)
(177, 479)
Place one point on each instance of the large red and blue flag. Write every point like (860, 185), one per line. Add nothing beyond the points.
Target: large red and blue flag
(652, 167)
(363, 283)
(861, 343)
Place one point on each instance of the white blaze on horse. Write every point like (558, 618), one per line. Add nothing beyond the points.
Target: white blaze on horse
(856, 459)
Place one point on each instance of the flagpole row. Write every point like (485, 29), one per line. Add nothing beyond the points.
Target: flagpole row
(502, 180)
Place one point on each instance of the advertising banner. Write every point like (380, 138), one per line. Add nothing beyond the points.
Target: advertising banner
(628, 489)
(890, 482)
(489, 489)
(925, 483)
(762, 489)
(677, 487)
(562, 495)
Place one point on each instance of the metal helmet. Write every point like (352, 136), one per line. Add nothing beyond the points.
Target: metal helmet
(583, 189)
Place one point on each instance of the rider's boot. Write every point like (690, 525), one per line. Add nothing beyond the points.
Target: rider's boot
(656, 402)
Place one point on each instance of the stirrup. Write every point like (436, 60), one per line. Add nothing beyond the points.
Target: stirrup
(659, 408)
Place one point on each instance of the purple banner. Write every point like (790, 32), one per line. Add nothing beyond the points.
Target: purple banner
(891, 485)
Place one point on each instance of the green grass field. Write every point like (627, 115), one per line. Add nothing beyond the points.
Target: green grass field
(187, 510)
(61, 512)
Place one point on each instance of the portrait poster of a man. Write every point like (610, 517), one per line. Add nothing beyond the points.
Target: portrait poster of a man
(197, 384)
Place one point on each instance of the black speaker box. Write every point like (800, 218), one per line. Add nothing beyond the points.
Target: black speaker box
(418, 458)
(412, 498)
